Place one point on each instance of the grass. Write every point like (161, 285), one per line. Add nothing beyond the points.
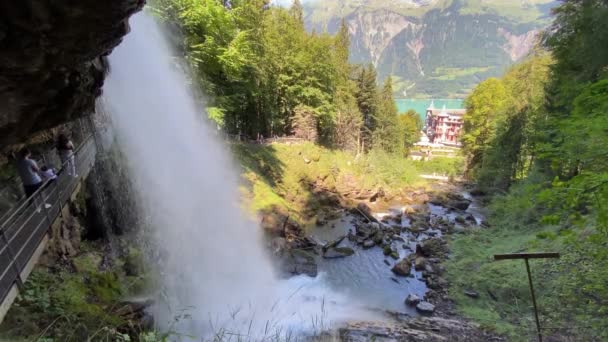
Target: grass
(450, 74)
(450, 166)
(570, 291)
(283, 175)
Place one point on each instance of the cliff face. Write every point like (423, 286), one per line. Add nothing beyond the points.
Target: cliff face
(435, 48)
(52, 60)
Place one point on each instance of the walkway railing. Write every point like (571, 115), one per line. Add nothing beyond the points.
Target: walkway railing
(23, 227)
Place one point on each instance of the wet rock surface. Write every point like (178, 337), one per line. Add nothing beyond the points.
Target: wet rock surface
(420, 329)
(381, 252)
(52, 60)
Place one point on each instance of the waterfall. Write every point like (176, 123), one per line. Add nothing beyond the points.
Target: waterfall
(213, 264)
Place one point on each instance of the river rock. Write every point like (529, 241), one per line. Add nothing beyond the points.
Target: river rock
(460, 205)
(338, 252)
(396, 237)
(320, 222)
(420, 263)
(369, 243)
(435, 247)
(334, 243)
(378, 237)
(425, 308)
(402, 268)
(412, 300)
(471, 293)
(365, 209)
(300, 262)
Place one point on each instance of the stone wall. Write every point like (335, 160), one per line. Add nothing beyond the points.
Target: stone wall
(52, 60)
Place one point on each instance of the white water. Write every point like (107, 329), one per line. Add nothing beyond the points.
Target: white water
(215, 266)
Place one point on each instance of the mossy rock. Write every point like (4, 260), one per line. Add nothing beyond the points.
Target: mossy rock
(134, 263)
(87, 263)
(106, 286)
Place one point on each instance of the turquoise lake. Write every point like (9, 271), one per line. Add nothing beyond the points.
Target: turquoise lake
(420, 105)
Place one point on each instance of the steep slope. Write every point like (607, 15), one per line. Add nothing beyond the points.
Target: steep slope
(435, 48)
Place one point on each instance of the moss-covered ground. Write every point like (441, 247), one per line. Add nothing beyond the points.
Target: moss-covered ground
(76, 301)
(570, 291)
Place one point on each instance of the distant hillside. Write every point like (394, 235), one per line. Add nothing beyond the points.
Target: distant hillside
(435, 48)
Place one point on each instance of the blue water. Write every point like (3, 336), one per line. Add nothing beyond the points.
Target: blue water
(420, 105)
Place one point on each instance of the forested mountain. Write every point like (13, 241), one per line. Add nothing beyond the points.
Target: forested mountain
(435, 48)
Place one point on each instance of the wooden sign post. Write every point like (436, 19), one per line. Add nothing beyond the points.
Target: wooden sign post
(527, 256)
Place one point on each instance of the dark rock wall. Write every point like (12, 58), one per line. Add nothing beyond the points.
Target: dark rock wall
(52, 60)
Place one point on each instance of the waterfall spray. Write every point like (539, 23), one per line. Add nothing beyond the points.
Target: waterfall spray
(214, 265)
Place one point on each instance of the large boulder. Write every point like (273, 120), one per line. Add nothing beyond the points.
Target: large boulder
(299, 262)
(412, 300)
(425, 308)
(403, 268)
(429, 248)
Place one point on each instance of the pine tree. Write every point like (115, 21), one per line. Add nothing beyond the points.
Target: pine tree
(386, 132)
(367, 100)
(305, 123)
(342, 51)
(297, 12)
(348, 120)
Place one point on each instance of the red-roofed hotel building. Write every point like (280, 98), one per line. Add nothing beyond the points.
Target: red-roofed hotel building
(444, 126)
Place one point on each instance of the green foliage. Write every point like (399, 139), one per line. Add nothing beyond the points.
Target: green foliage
(259, 64)
(387, 134)
(77, 302)
(549, 157)
(367, 100)
(449, 166)
(305, 123)
(502, 146)
(410, 125)
(485, 111)
(281, 176)
(348, 120)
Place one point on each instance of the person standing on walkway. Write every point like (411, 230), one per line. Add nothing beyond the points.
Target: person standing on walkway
(65, 148)
(28, 172)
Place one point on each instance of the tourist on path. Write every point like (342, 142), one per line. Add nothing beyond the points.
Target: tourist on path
(65, 148)
(28, 172)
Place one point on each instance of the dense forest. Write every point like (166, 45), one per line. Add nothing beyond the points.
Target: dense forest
(267, 76)
(537, 140)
